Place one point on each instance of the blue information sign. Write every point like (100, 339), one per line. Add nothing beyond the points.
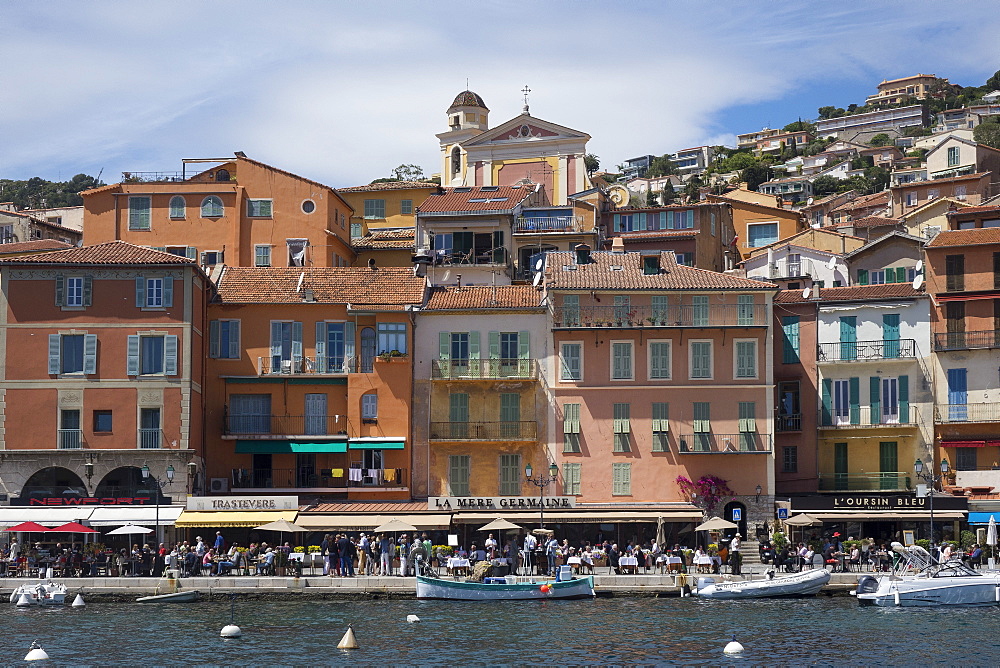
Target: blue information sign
(737, 514)
(782, 513)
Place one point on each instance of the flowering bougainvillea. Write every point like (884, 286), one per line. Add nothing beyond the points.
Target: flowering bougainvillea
(706, 492)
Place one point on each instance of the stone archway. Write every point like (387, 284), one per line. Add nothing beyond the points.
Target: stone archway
(53, 481)
(126, 481)
(728, 515)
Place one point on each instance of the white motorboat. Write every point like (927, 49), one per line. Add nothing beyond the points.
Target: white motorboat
(42, 593)
(504, 589)
(919, 580)
(806, 583)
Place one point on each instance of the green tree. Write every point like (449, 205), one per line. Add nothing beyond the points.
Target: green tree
(692, 189)
(592, 163)
(799, 126)
(37, 192)
(993, 83)
(825, 185)
(830, 112)
(881, 139)
(408, 173)
(988, 133)
(668, 193)
(756, 175)
(736, 162)
(661, 166)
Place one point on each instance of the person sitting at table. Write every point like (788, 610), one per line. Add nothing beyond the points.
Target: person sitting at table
(698, 555)
(476, 554)
(587, 560)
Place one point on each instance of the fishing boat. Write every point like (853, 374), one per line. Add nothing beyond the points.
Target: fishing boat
(176, 597)
(504, 589)
(920, 581)
(42, 593)
(806, 583)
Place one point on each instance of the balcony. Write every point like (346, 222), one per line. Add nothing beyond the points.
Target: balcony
(862, 419)
(719, 315)
(790, 422)
(724, 444)
(167, 177)
(986, 412)
(897, 481)
(308, 366)
(484, 431)
(70, 439)
(492, 369)
(287, 426)
(978, 340)
(565, 224)
(309, 478)
(867, 351)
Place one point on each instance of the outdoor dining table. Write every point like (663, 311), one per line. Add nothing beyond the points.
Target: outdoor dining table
(456, 564)
(631, 563)
(669, 563)
(708, 561)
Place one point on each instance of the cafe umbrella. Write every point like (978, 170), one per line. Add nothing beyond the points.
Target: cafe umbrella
(130, 530)
(991, 537)
(281, 526)
(500, 525)
(74, 527)
(715, 524)
(28, 528)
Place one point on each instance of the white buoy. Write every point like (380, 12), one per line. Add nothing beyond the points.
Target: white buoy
(733, 647)
(231, 631)
(412, 618)
(36, 653)
(348, 641)
(78, 602)
(24, 601)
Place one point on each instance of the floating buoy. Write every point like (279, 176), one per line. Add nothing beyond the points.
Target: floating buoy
(231, 631)
(24, 601)
(733, 647)
(36, 653)
(78, 602)
(544, 589)
(412, 618)
(348, 641)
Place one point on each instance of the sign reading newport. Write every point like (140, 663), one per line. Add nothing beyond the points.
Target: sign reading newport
(239, 503)
(498, 502)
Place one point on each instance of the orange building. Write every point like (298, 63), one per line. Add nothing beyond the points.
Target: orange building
(238, 212)
(760, 223)
(309, 381)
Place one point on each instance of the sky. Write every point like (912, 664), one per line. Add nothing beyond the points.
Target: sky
(342, 92)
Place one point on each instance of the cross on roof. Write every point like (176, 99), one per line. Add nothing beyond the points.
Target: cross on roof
(525, 90)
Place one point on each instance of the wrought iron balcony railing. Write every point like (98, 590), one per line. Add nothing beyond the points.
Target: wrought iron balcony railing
(688, 315)
(286, 425)
(712, 443)
(70, 439)
(981, 339)
(896, 481)
(523, 430)
(985, 412)
(491, 369)
(861, 417)
(864, 351)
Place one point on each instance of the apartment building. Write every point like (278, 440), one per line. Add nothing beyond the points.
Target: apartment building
(956, 156)
(971, 188)
(758, 223)
(21, 226)
(392, 204)
(894, 91)
(851, 126)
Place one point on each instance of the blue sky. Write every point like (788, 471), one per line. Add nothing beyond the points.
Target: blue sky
(343, 92)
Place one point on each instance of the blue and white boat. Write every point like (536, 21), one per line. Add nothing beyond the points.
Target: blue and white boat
(504, 589)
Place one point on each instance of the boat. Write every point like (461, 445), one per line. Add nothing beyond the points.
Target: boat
(42, 593)
(920, 581)
(504, 589)
(176, 597)
(805, 583)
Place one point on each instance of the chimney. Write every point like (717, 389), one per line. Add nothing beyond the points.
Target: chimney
(815, 291)
(458, 281)
(618, 245)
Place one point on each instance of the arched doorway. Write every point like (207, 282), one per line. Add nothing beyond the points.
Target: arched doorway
(127, 482)
(53, 482)
(736, 513)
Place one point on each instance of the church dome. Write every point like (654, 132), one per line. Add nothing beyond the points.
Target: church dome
(467, 99)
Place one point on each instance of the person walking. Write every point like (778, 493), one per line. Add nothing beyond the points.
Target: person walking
(385, 555)
(364, 555)
(220, 543)
(735, 558)
(347, 552)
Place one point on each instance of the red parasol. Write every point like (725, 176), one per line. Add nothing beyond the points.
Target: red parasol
(74, 527)
(31, 527)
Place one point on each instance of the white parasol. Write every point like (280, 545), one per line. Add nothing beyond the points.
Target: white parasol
(991, 537)
(715, 524)
(129, 530)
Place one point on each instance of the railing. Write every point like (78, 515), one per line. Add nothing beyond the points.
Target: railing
(304, 478)
(286, 425)
(988, 338)
(718, 315)
(712, 443)
(150, 439)
(491, 369)
(986, 412)
(897, 481)
(165, 177)
(863, 351)
(70, 439)
(324, 366)
(523, 430)
(863, 418)
(525, 225)
(791, 422)
(492, 257)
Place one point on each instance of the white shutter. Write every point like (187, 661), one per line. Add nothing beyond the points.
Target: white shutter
(297, 345)
(90, 354)
(349, 348)
(191, 253)
(170, 355)
(140, 292)
(132, 363)
(168, 292)
(54, 353)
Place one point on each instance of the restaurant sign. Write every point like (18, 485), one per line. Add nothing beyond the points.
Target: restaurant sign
(877, 502)
(70, 501)
(499, 502)
(244, 503)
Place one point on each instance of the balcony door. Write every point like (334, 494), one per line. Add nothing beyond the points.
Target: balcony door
(890, 401)
(958, 396)
(840, 466)
(315, 414)
(841, 402)
(149, 428)
(367, 349)
(848, 338)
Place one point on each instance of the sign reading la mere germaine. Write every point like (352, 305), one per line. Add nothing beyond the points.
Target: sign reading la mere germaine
(498, 502)
(878, 502)
(242, 503)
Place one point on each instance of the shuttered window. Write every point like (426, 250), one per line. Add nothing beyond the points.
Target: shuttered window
(510, 475)
(151, 355)
(659, 360)
(746, 359)
(571, 309)
(259, 208)
(177, 207)
(621, 479)
(748, 425)
(570, 358)
(571, 478)
(224, 339)
(745, 310)
(622, 427)
(701, 359)
(571, 427)
(699, 310)
(458, 475)
(510, 415)
(621, 360)
(661, 426)
(139, 213)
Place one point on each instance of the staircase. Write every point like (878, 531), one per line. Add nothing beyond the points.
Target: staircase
(750, 550)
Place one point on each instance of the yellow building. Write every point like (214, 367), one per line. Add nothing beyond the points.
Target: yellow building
(391, 204)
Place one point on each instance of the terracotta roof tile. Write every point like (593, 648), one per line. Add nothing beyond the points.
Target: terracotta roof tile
(484, 297)
(646, 235)
(974, 237)
(873, 221)
(497, 198)
(35, 246)
(950, 179)
(564, 274)
(388, 507)
(385, 239)
(975, 209)
(865, 202)
(388, 185)
(853, 293)
(112, 252)
(387, 288)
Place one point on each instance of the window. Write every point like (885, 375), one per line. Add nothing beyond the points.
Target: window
(261, 255)
(790, 339)
(211, 207)
(259, 208)
(684, 259)
(102, 421)
(286, 346)
(571, 478)
(700, 362)
(391, 337)
(458, 414)
(308, 206)
(659, 360)
(702, 425)
(458, 347)
(151, 292)
(510, 475)
(954, 269)
(933, 193)
(621, 479)
(177, 207)
(953, 156)
(72, 354)
(70, 435)
(621, 360)
(660, 305)
(761, 234)
(661, 424)
(966, 459)
(7, 234)
(748, 425)
(224, 339)
(622, 427)
(794, 264)
(842, 397)
(249, 414)
(789, 406)
(571, 361)
(960, 192)
(369, 406)
(138, 213)
(571, 427)
(745, 311)
(510, 415)
(406, 207)
(789, 459)
(335, 347)
(571, 310)
(712, 222)
(212, 258)
(746, 358)
(623, 308)
(699, 310)
(77, 291)
(357, 230)
(375, 208)
(458, 475)
(296, 251)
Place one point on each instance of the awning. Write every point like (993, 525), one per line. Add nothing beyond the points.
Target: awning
(885, 515)
(965, 444)
(117, 516)
(981, 518)
(362, 521)
(286, 447)
(199, 518)
(583, 516)
(50, 517)
(377, 444)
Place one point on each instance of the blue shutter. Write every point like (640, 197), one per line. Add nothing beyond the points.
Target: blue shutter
(854, 389)
(140, 292)
(827, 416)
(904, 400)
(875, 406)
(170, 355)
(168, 292)
(213, 339)
(618, 223)
(234, 340)
(321, 347)
(55, 342)
(90, 354)
(132, 362)
(275, 344)
(957, 395)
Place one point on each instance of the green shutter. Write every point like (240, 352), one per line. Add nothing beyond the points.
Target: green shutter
(213, 339)
(840, 464)
(904, 399)
(862, 277)
(321, 347)
(168, 292)
(494, 338)
(444, 345)
(875, 406)
(60, 289)
(88, 290)
(827, 392)
(524, 345)
(473, 345)
(790, 334)
(140, 292)
(854, 394)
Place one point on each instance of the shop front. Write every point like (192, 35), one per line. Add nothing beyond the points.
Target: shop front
(236, 517)
(882, 517)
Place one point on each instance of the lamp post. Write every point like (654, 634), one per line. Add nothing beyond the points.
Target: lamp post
(160, 484)
(918, 468)
(758, 490)
(541, 482)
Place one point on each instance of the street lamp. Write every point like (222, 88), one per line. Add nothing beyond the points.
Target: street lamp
(758, 490)
(918, 468)
(541, 482)
(160, 484)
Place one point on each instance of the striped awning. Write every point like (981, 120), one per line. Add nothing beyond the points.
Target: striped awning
(197, 518)
(364, 521)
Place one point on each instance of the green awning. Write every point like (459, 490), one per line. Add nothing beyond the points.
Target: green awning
(285, 447)
(377, 445)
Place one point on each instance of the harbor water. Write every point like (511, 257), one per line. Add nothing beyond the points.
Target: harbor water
(819, 631)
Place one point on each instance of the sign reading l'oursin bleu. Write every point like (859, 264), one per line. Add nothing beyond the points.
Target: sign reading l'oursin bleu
(877, 502)
(498, 502)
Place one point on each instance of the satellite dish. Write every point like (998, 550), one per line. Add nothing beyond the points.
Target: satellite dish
(539, 263)
(832, 263)
(810, 201)
(447, 275)
(918, 281)
(920, 265)
(805, 293)
(537, 280)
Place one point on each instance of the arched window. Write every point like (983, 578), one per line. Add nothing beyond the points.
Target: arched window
(127, 482)
(222, 175)
(211, 207)
(53, 482)
(177, 206)
(456, 161)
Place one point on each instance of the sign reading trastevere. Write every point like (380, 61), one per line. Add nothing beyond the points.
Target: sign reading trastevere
(498, 502)
(243, 503)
